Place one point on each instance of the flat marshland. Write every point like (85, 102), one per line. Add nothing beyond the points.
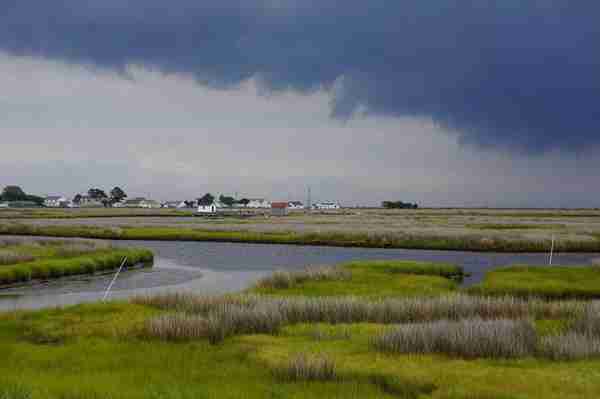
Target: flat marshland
(381, 329)
(450, 229)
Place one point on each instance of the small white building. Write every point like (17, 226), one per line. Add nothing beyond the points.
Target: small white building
(141, 202)
(326, 205)
(259, 203)
(295, 205)
(3, 205)
(174, 204)
(88, 202)
(56, 201)
(207, 209)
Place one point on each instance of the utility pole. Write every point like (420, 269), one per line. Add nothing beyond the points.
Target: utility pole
(308, 199)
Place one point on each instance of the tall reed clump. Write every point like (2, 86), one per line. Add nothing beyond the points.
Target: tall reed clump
(177, 326)
(305, 368)
(219, 317)
(8, 257)
(581, 341)
(221, 322)
(229, 320)
(385, 311)
(193, 303)
(570, 346)
(465, 338)
(283, 279)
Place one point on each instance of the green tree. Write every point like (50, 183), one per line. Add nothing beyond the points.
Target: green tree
(77, 199)
(206, 199)
(97, 194)
(13, 193)
(117, 194)
(229, 201)
(244, 202)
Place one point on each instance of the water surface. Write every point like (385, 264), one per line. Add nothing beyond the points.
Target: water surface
(215, 268)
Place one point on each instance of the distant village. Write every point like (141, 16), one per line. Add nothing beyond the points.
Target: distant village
(15, 197)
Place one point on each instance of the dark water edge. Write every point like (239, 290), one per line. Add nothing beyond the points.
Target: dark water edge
(216, 268)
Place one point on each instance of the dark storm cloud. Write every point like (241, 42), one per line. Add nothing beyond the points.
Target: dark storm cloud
(516, 74)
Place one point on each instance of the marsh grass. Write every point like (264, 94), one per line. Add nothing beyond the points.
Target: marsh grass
(305, 368)
(581, 341)
(372, 279)
(223, 321)
(549, 282)
(14, 391)
(284, 279)
(465, 338)
(319, 333)
(408, 267)
(222, 317)
(177, 326)
(570, 346)
(228, 320)
(8, 257)
(515, 226)
(89, 263)
(589, 321)
(342, 238)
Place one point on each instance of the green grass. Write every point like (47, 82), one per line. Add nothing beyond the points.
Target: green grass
(515, 226)
(340, 239)
(94, 352)
(379, 279)
(551, 282)
(54, 267)
(408, 267)
(100, 356)
(77, 213)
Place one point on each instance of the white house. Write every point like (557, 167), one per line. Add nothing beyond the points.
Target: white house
(174, 204)
(259, 203)
(207, 209)
(88, 202)
(3, 205)
(55, 201)
(141, 202)
(326, 205)
(295, 205)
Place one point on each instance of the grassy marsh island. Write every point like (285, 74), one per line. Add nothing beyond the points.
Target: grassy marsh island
(299, 341)
(23, 260)
(373, 279)
(551, 282)
(492, 230)
(477, 243)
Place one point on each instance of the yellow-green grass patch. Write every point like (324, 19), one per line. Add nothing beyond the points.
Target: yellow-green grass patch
(551, 282)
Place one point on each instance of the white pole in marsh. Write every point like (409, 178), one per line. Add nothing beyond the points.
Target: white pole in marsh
(113, 280)
(551, 250)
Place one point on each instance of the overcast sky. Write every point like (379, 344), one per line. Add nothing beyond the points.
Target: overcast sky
(458, 104)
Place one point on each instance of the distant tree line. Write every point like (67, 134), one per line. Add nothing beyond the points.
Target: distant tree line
(229, 201)
(398, 205)
(96, 194)
(16, 193)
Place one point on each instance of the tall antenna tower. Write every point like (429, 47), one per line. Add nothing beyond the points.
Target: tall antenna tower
(308, 199)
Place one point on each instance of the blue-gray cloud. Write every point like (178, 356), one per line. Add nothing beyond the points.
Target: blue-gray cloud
(523, 75)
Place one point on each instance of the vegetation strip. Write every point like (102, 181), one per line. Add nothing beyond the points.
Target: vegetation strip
(374, 279)
(339, 239)
(550, 282)
(23, 261)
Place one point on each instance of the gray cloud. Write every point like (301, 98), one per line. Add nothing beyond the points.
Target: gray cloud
(66, 127)
(510, 74)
